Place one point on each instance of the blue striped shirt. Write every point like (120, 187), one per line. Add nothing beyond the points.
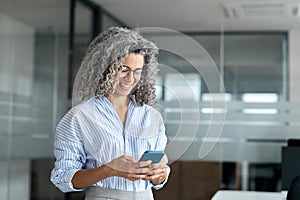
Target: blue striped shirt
(91, 134)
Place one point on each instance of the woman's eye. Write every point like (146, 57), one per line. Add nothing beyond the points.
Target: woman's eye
(124, 68)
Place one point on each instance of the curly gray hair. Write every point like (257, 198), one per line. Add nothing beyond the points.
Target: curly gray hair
(98, 73)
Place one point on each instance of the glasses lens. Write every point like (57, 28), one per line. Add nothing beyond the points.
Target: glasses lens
(125, 71)
(137, 73)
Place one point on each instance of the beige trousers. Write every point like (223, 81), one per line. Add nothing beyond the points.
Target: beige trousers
(97, 193)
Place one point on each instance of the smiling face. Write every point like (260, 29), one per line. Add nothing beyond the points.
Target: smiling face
(130, 74)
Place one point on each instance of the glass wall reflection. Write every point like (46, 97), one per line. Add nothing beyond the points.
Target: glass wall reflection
(31, 49)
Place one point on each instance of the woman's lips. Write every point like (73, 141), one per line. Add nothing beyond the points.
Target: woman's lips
(125, 86)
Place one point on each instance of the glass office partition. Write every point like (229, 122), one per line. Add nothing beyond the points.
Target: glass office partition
(253, 70)
(31, 51)
(256, 75)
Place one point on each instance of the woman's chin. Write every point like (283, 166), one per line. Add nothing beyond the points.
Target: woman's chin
(123, 93)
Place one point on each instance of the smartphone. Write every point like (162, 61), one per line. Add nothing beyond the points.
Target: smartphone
(154, 156)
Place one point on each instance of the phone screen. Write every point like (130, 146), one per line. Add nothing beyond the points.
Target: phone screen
(154, 156)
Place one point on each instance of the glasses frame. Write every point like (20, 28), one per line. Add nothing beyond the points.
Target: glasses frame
(137, 73)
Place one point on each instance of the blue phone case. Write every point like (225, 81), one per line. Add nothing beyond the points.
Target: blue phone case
(154, 156)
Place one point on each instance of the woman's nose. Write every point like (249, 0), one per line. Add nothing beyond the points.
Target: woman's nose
(130, 75)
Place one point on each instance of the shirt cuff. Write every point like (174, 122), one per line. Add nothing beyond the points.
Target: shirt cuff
(66, 185)
(157, 187)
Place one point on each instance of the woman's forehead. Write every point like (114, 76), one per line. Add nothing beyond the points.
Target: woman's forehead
(134, 60)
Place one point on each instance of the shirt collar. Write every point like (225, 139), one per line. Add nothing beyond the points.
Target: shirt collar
(131, 98)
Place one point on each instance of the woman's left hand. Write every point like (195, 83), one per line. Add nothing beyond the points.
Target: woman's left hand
(158, 172)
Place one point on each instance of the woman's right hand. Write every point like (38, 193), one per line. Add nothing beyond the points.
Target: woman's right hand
(126, 167)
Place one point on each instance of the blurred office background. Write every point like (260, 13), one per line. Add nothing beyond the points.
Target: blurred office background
(255, 46)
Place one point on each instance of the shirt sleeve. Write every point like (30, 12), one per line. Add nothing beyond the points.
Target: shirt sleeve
(157, 187)
(161, 145)
(161, 141)
(68, 151)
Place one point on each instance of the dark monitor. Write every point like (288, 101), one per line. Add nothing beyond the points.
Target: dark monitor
(290, 165)
(293, 142)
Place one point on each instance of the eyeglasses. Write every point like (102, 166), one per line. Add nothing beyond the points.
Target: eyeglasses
(125, 71)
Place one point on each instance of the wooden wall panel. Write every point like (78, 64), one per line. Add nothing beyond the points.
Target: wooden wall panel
(200, 180)
(172, 188)
(191, 181)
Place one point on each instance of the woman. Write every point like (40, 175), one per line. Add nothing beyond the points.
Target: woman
(99, 141)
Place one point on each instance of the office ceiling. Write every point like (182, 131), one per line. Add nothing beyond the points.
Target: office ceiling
(207, 15)
(40, 15)
(182, 15)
